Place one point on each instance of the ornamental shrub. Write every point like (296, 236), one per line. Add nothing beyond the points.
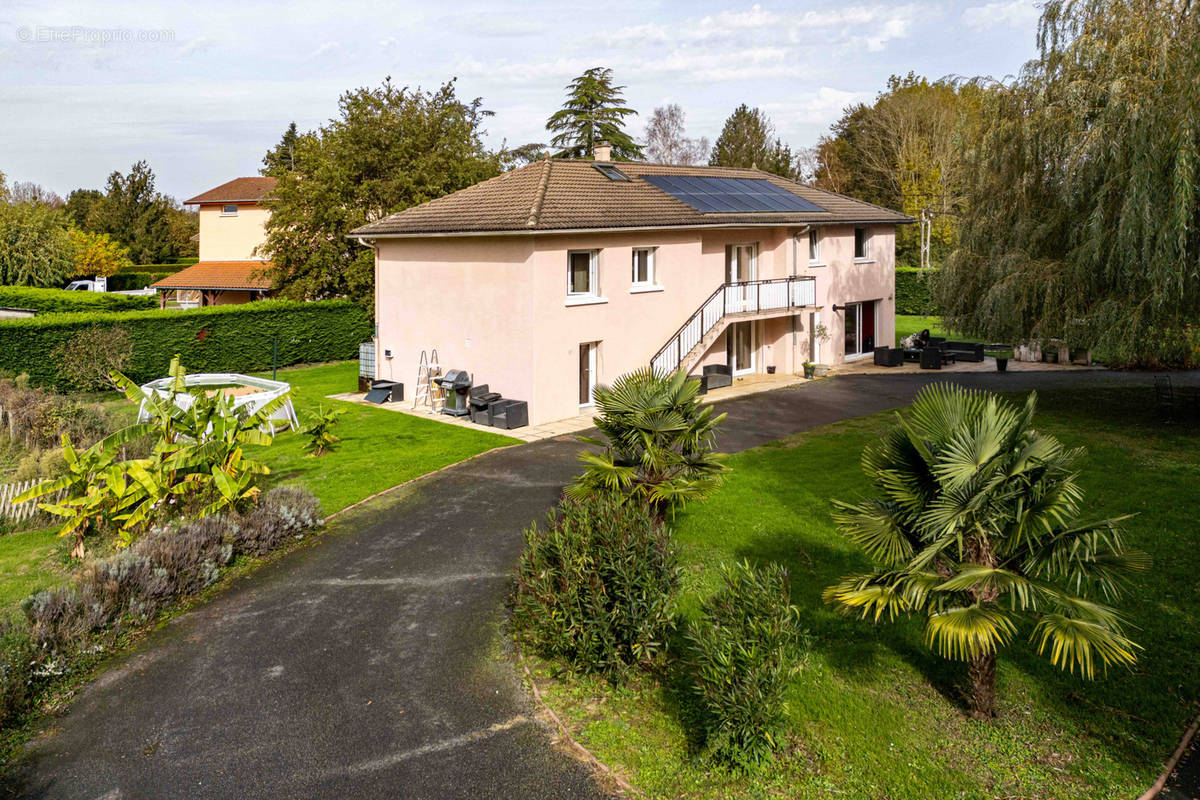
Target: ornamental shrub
(234, 338)
(743, 650)
(89, 358)
(168, 563)
(596, 586)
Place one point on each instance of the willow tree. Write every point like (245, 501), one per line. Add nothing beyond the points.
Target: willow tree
(1083, 219)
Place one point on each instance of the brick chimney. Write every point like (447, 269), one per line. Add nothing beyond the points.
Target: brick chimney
(602, 151)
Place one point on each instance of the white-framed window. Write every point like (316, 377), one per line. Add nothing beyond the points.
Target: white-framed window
(862, 244)
(229, 210)
(814, 247)
(644, 274)
(582, 278)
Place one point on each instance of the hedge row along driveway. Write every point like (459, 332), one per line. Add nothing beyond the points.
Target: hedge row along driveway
(60, 300)
(237, 338)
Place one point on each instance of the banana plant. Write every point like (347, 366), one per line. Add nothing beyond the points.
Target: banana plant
(321, 438)
(197, 465)
(89, 488)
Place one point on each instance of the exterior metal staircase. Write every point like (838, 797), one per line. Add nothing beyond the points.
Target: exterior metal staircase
(731, 302)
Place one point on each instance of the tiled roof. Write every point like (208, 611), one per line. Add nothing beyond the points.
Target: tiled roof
(557, 194)
(219, 275)
(238, 190)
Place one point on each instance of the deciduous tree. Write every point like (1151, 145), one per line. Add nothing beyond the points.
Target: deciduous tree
(35, 249)
(905, 151)
(98, 254)
(666, 139)
(389, 148)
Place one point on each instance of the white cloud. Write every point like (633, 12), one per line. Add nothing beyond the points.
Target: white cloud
(197, 45)
(325, 47)
(1013, 14)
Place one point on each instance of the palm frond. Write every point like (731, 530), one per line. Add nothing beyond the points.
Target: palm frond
(968, 632)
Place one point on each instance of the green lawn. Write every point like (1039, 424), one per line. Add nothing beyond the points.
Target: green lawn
(874, 714)
(379, 449)
(29, 561)
(907, 325)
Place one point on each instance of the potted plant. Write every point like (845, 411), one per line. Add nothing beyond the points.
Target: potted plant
(821, 334)
(1002, 356)
(809, 369)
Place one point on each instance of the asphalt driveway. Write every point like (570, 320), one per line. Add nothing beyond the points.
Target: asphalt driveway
(371, 664)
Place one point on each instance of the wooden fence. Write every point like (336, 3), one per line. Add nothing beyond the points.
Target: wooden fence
(19, 512)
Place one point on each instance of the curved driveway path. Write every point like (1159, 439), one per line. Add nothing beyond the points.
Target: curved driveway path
(369, 664)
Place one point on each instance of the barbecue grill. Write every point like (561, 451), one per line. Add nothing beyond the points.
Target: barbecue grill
(456, 384)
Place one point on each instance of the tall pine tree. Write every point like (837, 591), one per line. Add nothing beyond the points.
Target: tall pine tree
(594, 111)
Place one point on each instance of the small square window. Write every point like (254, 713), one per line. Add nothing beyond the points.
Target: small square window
(643, 266)
(229, 210)
(814, 247)
(581, 272)
(862, 244)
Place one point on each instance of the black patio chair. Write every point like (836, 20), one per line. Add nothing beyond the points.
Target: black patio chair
(889, 357)
(931, 358)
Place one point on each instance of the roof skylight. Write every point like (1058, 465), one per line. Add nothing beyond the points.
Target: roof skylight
(611, 172)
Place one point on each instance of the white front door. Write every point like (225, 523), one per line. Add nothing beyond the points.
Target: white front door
(741, 348)
(741, 267)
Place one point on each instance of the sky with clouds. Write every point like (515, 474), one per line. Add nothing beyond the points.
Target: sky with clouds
(202, 89)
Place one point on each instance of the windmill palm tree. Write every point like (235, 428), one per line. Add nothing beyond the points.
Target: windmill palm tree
(977, 529)
(659, 447)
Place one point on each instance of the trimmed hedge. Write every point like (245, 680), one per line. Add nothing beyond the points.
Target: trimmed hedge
(914, 291)
(235, 338)
(60, 300)
(126, 281)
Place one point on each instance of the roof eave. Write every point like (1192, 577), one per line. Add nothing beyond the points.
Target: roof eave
(360, 234)
(156, 287)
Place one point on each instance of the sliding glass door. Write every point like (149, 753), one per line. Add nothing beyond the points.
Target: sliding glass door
(860, 328)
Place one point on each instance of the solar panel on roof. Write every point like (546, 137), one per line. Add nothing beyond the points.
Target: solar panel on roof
(730, 195)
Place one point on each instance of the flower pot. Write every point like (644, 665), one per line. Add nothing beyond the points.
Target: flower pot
(1001, 365)
(820, 370)
(809, 371)
(771, 370)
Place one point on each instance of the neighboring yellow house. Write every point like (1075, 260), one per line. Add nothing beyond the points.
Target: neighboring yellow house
(233, 221)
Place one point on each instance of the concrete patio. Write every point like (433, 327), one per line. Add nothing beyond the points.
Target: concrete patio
(742, 387)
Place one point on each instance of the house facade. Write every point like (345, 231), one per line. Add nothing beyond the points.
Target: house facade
(233, 219)
(557, 277)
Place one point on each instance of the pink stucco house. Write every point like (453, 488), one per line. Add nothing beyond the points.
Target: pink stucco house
(561, 275)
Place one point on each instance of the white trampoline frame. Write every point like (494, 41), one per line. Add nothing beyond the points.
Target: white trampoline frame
(269, 390)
